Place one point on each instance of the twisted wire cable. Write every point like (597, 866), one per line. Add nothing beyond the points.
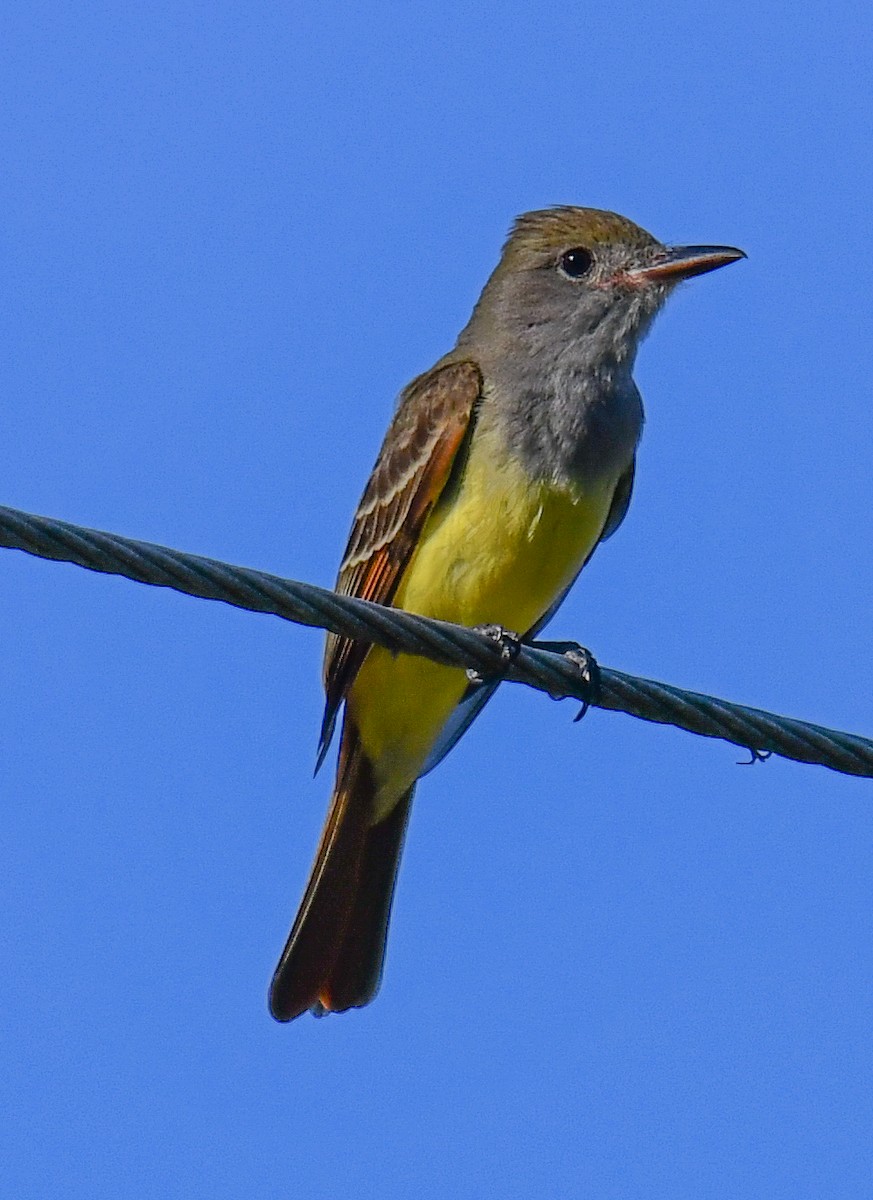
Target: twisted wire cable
(761, 732)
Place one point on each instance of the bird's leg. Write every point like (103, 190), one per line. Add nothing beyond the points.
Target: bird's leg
(584, 662)
(509, 643)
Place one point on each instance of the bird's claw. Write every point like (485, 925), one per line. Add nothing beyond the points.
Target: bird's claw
(586, 665)
(589, 672)
(509, 644)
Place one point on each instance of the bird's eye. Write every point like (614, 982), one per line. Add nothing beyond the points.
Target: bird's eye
(576, 262)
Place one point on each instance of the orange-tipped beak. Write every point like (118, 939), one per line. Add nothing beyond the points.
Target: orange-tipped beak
(681, 262)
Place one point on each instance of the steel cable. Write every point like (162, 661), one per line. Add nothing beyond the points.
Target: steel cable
(761, 732)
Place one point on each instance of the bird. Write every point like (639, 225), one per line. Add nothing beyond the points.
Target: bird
(504, 467)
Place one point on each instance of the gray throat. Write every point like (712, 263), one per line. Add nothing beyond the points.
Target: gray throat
(569, 425)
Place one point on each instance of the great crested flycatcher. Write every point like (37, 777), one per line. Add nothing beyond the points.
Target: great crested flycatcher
(504, 467)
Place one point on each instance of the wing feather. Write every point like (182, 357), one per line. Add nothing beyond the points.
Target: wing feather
(420, 448)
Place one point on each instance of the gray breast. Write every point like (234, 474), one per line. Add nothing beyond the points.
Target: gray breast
(569, 425)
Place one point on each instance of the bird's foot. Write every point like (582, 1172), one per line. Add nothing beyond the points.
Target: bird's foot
(509, 644)
(586, 665)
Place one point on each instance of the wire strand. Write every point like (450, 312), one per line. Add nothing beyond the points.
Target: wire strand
(304, 603)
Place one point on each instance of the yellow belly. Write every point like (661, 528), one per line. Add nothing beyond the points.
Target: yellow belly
(501, 550)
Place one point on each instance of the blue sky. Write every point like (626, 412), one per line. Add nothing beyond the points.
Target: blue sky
(620, 965)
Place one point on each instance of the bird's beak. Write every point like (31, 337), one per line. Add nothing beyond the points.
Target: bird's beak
(681, 262)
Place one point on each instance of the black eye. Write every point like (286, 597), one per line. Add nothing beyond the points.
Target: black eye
(576, 262)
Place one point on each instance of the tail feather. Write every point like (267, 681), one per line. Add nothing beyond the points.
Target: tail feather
(334, 954)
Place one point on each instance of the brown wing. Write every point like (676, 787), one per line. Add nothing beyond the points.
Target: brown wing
(621, 499)
(411, 471)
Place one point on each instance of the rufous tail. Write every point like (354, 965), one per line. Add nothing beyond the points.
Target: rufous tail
(334, 954)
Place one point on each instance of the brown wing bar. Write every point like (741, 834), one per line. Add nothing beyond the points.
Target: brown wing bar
(414, 464)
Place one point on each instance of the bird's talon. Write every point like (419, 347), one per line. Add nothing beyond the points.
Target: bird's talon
(586, 665)
(509, 644)
(589, 672)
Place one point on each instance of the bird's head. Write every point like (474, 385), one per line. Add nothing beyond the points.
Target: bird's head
(582, 280)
